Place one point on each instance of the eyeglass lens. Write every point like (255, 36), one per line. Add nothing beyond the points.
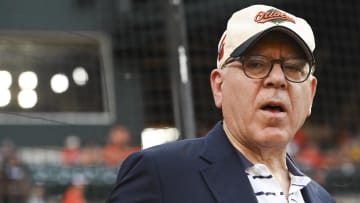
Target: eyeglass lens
(257, 67)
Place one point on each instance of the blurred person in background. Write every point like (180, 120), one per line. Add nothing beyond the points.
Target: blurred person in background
(37, 194)
(264, 85)
(71, 151)
(118, 146)
(16, 180)
(75, 193)
(90, 154)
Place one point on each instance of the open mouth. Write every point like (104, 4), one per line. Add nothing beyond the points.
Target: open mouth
(273, 108)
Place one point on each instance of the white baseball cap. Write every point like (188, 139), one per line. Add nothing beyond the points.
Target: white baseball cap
(246, 26)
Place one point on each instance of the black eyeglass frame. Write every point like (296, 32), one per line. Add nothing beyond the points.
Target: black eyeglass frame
(272, 62)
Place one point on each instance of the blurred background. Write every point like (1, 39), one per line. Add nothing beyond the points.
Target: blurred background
(84, 80)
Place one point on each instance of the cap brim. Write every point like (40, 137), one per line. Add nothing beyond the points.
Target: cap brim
(252, 40)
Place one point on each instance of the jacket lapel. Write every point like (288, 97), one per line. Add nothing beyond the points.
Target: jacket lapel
(225, 175)
(306, 196)
(314, 193)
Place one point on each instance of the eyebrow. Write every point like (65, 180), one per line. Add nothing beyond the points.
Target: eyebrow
(291, 56)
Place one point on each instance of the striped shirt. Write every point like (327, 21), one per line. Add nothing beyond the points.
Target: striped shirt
(267, 189)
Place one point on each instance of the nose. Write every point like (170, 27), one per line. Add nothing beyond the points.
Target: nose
(276, 77)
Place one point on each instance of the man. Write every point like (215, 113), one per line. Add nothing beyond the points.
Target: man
(265, 86)
(75, 193)
(117, 148)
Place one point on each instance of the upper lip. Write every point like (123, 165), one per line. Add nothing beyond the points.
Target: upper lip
(274, 104)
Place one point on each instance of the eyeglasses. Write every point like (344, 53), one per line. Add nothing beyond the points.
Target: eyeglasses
(259, 67)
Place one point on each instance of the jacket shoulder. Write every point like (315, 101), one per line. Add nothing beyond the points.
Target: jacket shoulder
(175, 150)
(317, 192)
(152, 170)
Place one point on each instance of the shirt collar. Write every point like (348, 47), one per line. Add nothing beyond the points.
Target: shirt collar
(289, 162)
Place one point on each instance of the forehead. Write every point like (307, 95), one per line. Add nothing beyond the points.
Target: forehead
(277, 40)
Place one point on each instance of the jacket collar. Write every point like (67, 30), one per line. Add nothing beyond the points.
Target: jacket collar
(224, 174)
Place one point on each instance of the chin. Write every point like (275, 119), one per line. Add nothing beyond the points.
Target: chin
(273, 138)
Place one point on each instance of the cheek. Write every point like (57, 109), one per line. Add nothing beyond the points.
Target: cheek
(238, 100)
(239, 95)
(302, 103)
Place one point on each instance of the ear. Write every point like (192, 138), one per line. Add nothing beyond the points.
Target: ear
(313, 91)
(216, 79)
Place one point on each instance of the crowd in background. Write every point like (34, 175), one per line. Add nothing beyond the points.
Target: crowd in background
(317, 150)
(116, 149)
(18, 186)
(320, 150)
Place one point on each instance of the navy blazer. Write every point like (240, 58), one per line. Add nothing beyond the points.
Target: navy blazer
(202, 170)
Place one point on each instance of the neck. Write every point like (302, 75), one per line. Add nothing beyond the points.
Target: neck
(274, 159)
(270, 156)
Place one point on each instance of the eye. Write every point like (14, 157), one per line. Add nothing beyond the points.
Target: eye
(255, 63)
(296, 66)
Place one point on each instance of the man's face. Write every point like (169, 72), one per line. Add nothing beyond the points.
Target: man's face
(263, 112)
